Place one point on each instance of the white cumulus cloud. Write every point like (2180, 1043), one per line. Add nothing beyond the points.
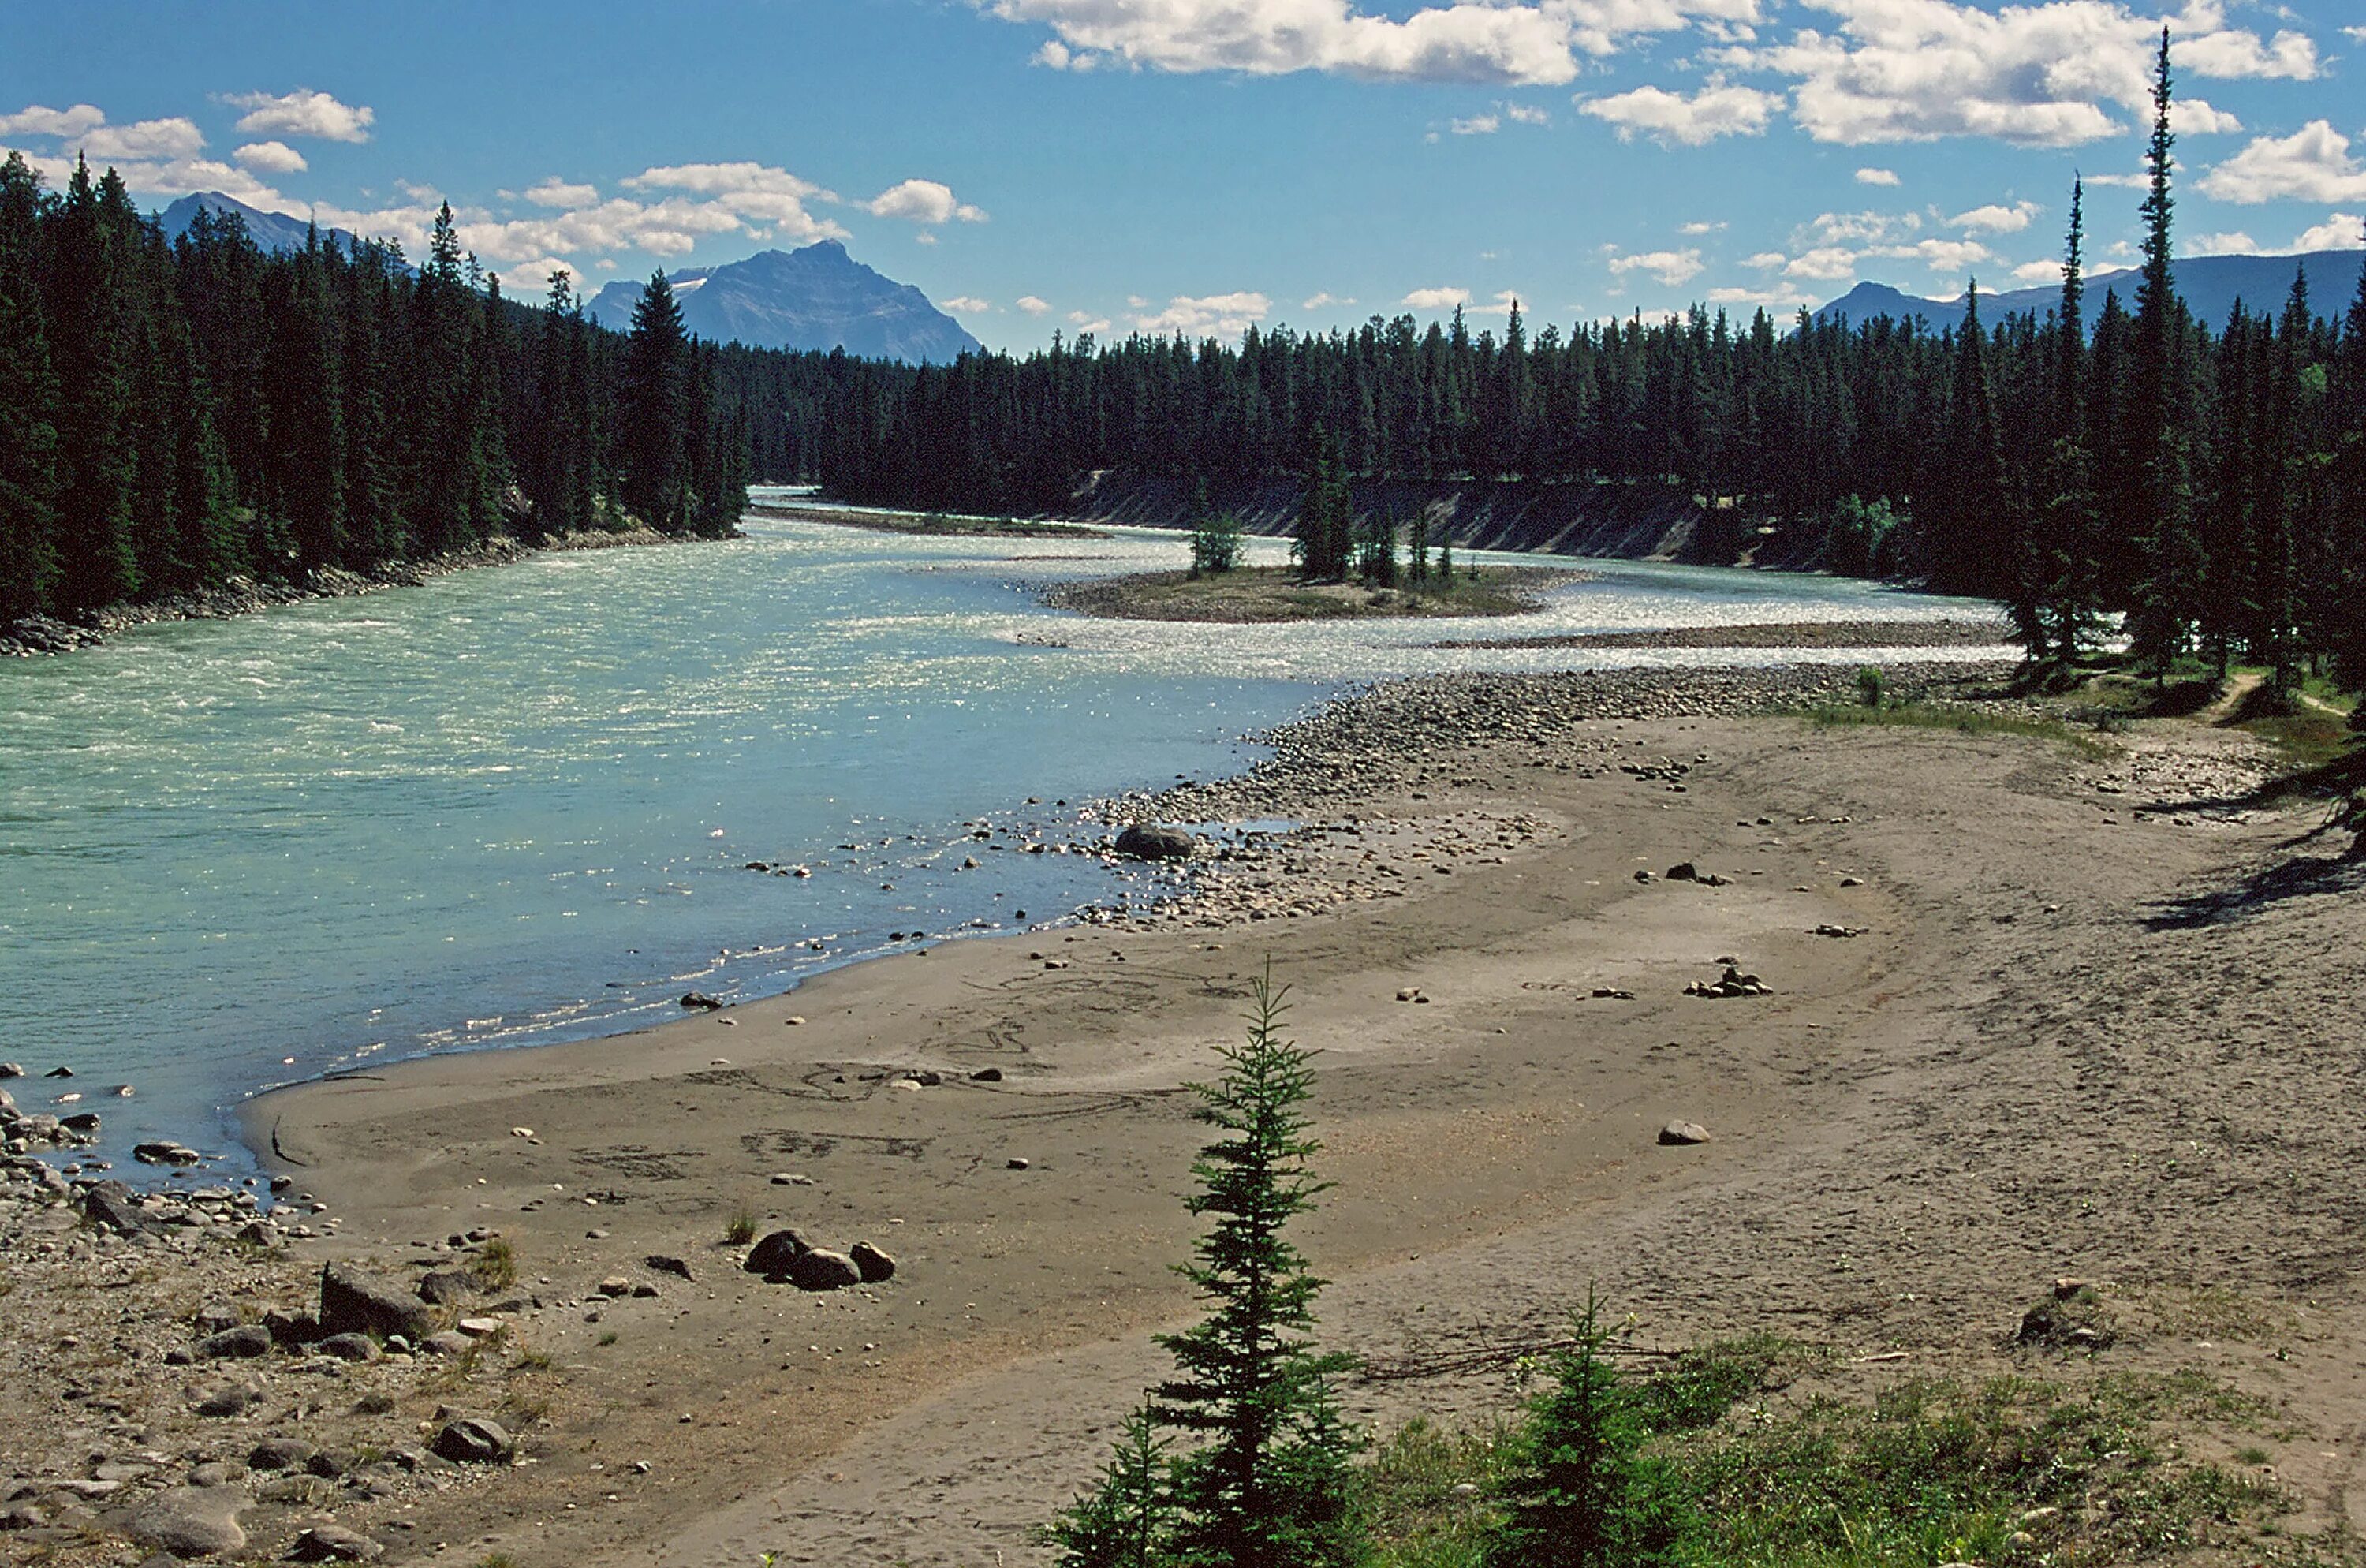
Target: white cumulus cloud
(302, 113)
(1511, 43)
(922, 201)
(2314, 164)
(967, 304)
(1441, 299)
(556, 192)
(1032, 305)
(36, 119)
(1719, 108)
(1996, 220)
(2230, 244)
(2057, 73)
(1208, 315)
(1477, 125)
(1877, 177)
(1669, 267)
(758, 192)
(272, 157)
(2339, 231)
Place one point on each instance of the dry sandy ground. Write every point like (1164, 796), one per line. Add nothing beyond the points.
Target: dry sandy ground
(2075, 1036)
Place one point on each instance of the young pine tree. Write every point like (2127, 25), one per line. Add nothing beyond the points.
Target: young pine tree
(1272, 1484)
(28, 407)
(2066, 512)
(1126, 1520)
(1581, 1494)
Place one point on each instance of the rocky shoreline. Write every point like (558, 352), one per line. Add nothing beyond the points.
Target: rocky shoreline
(1966, 633)
(40, 634)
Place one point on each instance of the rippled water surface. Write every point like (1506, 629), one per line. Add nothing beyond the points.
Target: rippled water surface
(516, 804)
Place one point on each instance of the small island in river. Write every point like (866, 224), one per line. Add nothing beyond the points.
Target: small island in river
(1260, 594)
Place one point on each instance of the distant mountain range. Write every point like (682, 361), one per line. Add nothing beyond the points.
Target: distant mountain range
(2210, 286)
(817, 298)
(274, 232)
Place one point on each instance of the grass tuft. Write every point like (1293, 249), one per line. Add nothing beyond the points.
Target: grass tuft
(1962, 720)
(741, 1230)
(495, 1264)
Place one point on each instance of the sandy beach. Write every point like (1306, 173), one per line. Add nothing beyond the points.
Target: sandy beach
(2034, 1010)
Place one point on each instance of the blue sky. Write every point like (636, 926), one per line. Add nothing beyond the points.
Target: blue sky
(1042, 165)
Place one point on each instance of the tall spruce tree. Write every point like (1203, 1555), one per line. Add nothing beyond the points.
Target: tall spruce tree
(1271, 1484)
(2171, 564)
(653, 405)
(2066, 546)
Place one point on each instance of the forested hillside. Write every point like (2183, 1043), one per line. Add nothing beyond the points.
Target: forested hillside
(175, 414)
(2208, 479)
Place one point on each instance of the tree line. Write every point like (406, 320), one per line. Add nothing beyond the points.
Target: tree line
(2201, 484)
(178, 414)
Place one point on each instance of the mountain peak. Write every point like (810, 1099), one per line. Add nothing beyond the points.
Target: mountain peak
(817, 297)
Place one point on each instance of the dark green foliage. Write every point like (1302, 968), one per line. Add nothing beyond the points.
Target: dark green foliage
(1325, 516)
(1215, 538)
(1863, 537)
(1581, 1491)
(1272, 1483)
(174, 415)
(652, 408)
(1126, 1520)
(1376, 550)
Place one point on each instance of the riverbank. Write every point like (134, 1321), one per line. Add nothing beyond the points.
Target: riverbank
(931, 525)
(1935, 1113)
(1968, 632)
(38, 635)
(1259, 595)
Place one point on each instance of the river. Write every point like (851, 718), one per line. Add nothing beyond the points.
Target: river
(517, 805)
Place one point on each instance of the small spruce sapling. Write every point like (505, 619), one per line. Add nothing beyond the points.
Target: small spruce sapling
(1582, 1492)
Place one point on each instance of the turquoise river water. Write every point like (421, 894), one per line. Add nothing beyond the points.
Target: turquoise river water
(515, 806)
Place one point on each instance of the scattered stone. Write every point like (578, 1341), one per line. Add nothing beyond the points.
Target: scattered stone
(1842, 932)
(874, 1265)
(230, 1399)
(700, 999)
(58, 1073)
(351, 1302)
(445, 1342)
(615, 1285)
(772, 1256)
(333, 1543)
(1733, 983)
(1015, 1163)
(164, 1152)
(110, 1204)
(1677, 1134)
(486, 1327)
(818, 1268)
(472, 1439)
(446, 1287)
(664, 1263)
(986, 1075)
(189, 1521)
(294, 1328)
(1612, 993)
(11, 1070)
(1150, 841)
(349, 1347)
(280, 1453)
(244, 1343)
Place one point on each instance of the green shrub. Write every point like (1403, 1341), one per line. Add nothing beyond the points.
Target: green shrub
(1871, 685)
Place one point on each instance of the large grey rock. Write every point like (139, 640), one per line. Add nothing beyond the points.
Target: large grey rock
(280, 1453)
(334, 1543)
(871, 1263)
(1145, 840)
(230, 1399)
(111, 1205)
(472, 1439)
(348, 1347)
(1681, 1133)
(772, 1256)
(240, 1344)
(353, 1303)
(446, 1287)
(189, 1521)
(818, 1268)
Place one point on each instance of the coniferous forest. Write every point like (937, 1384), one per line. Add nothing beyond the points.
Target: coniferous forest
(174, 413)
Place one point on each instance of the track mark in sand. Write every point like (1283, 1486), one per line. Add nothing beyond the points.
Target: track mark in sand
(820, 1145)
(1073, 1106)
(642, 1163)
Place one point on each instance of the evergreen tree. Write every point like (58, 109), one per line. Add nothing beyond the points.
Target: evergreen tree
(1581, 1492)
(29, 406)
(1126, 1520)
(1271, 1487)
(89, 313)
(653, 403)
(2066, 544)
(2171, 564)
(2345, 621)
